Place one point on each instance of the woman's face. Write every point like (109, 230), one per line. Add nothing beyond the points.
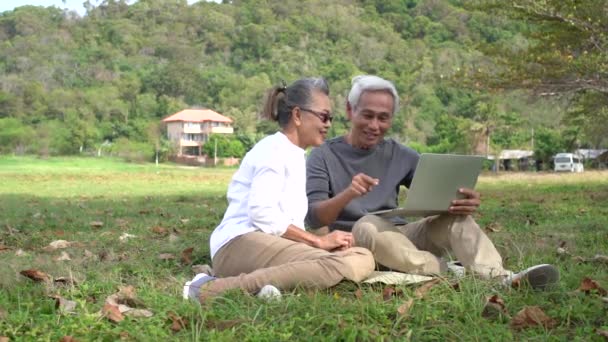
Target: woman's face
(315, 120)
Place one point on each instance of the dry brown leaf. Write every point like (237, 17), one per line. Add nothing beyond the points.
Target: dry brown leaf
(64, 305)
(358, 294)
(4, 339)
(600, 258)
(404, 308)
(63, 257)
(166, 256)
(20, 253)
(588, 285)
(96, 224)
(603, 333)
(187, 255)
(112, 313)
(126, 236)
(65, 281)
(177, 323)
(4, 248)
(531, 316)
(422, 290)
(184, 221)
(160, 230)
(494, 308)
(144, 212)
(138, 313)
(36, 275)
(68, 339)
(388, 293)
(57, 244)
(173, 238)
(493, 227)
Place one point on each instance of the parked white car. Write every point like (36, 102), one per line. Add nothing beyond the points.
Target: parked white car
(568, 162)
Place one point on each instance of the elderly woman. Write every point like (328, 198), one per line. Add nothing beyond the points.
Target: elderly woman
(261, 240)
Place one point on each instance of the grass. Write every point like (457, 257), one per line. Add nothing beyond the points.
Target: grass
(171, 208)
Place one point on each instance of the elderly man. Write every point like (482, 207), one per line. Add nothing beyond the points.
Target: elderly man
(361, 172)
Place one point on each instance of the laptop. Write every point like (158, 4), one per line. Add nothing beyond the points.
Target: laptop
(436, 182)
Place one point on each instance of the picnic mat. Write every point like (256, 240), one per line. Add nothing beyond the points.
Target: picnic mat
(395, 278)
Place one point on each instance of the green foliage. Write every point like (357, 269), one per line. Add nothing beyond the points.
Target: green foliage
(548, 142)
(109, 74)
(222, 145)
(14, 136)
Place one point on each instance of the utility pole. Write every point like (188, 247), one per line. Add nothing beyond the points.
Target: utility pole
(215, 154)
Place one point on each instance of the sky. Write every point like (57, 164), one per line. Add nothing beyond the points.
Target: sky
(76, 5)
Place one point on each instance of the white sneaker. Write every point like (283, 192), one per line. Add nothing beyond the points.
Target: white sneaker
(456, 268)
(538, 277)
(192, 288)
(269, 292)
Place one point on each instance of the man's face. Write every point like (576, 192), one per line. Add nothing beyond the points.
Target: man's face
(370, 118)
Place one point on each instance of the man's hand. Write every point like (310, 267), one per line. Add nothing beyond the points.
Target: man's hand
(362, 184)
(336, 240)
(468, 205)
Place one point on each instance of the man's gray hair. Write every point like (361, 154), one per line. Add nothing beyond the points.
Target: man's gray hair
(363, 83)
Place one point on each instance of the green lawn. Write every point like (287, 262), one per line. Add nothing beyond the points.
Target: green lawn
(171, 208)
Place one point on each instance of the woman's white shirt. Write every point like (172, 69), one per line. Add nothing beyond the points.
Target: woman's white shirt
(267, 193)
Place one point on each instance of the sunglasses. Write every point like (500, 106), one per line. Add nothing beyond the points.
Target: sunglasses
(324, 117)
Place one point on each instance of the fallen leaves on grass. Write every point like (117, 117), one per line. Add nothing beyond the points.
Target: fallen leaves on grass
(404, 308)
(63, 257)
(126, 303)
(358, 294)
(112, 312)
(126, 236)
(96, 224)
(57, 244)
(389, 292)
(64, 305)
(36, 275)
(600, 258)
(65, 281)
(4, 248)
(531, 316)
(494, 308)
(184, 221)
(20, 253)
(422, 290)
(493, 227)
(166, 256)
(589, 285)
(603, 333)
(160, 230)
(68, 339)
(177, 323)
(187, 255)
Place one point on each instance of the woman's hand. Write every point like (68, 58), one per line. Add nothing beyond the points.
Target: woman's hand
(336, 240)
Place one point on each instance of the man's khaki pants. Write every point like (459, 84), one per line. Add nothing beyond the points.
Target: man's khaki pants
(417, 247)
(256, 259)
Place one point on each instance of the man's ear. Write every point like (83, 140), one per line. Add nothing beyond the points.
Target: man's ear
(349, 111)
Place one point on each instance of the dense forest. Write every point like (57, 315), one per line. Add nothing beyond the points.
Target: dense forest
(473, 76)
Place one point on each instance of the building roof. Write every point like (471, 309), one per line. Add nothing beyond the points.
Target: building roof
(513, 154)
(197, 115)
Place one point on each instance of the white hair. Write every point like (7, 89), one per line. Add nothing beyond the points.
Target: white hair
(363, 83)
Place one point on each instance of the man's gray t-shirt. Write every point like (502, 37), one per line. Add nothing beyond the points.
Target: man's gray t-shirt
(331, 167)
